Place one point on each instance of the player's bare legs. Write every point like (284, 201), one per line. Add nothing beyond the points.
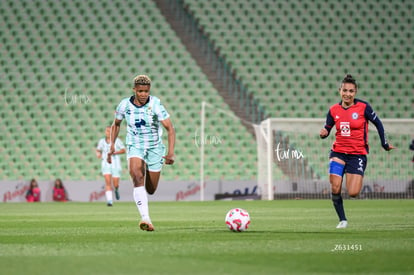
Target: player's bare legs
(115, 181)
(336, 188)
(336, 183)
(353, 184)
(137, 172)
(108, 178)
(335, 180)
(108, 189)
(151, 181)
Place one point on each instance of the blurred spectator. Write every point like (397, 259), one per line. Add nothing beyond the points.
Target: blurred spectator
(59, 191)
(33, 194)
(412, 147)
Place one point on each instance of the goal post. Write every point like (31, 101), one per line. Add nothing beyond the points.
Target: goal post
(292, 160)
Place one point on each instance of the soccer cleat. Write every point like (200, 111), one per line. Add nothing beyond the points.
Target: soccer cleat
(146, 226)
(342, 224)
(109, 204)
(117, 194)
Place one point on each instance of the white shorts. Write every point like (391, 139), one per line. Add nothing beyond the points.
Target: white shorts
(109, 169)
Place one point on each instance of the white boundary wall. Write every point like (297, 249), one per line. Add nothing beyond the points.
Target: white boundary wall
(90, 191)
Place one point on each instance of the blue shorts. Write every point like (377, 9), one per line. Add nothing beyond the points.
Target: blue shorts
(354, 164)
(153, 157)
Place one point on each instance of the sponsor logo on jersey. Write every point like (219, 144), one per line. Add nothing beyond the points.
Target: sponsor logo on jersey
(139, 123)
(345, 129)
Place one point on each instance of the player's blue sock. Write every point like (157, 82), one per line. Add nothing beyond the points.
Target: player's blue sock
(339, 206)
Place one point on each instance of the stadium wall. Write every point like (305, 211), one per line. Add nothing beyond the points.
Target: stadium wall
(92, 191)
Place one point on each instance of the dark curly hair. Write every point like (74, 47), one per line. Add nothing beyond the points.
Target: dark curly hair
(349, 79)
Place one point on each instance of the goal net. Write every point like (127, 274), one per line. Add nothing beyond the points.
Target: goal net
(293, 161)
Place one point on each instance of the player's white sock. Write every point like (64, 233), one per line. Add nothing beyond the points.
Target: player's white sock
(108, 195)
(141, 200)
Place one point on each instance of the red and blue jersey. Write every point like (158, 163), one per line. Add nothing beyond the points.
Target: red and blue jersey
(352, 127)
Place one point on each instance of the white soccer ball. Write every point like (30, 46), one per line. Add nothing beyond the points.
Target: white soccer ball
(237, 220)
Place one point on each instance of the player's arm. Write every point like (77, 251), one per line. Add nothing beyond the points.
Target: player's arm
(330, 122)
(115, 127)
(119, 147)
(372, 116)
(98, 149)
(169, 158)
(119, 152)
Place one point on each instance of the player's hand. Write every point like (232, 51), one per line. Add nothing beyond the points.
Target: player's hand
(169, 159)
(390, 147)
(110, 153)
(323, 133)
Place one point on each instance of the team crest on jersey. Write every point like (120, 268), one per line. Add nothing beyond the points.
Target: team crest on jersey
(345, 129)
(355, 115)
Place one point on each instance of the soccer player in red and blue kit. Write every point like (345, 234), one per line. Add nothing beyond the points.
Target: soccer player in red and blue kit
(348, 154)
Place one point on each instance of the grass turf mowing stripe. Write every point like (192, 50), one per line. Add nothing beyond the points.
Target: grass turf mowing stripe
(286, 237)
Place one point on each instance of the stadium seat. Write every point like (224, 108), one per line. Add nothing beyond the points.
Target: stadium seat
(288, 62)
(71, 46)
(90, 57)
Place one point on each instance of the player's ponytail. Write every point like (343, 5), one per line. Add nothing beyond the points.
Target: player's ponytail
(349, 79)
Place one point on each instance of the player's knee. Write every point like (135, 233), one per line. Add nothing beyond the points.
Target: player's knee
(137, 178)
(149, 186)
(336, 184)
(335, 189)
(353, 194)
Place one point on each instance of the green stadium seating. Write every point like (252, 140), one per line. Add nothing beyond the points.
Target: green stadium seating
(296, 52)
(56, 54)
(299, 43)
(291, 55)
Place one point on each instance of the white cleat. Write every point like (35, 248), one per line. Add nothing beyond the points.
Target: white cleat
(342, 224)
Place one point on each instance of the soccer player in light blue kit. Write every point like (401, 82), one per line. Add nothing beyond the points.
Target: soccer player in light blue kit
(145, 151)
(110, 171)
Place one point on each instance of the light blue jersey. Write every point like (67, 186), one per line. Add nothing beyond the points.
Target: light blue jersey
(143, 122)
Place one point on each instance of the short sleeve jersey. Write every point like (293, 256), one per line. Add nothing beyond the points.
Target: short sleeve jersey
(143, 122)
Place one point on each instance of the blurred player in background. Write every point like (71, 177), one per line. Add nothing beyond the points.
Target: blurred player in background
(110, 170)
(348, 154)
(145, 151)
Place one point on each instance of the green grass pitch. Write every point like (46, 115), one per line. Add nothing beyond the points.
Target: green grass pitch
(285, 237)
